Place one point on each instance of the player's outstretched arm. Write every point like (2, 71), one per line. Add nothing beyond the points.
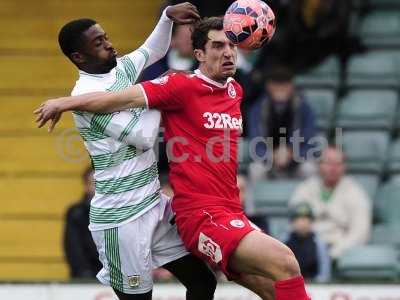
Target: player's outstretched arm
(103, 102)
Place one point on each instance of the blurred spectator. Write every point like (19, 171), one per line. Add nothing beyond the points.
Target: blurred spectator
(282, 117)
(179, 57)
(317, 28)
(341, 207)
(311, 252)
(80, 250)
(248, 77)
(308, 31)
(258, 219)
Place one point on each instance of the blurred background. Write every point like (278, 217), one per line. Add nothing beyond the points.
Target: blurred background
(324, 94)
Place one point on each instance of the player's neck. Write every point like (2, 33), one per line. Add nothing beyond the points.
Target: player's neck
(207, 74)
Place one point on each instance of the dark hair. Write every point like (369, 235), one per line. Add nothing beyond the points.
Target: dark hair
(202, 28)
(70, 35)
(302, 209)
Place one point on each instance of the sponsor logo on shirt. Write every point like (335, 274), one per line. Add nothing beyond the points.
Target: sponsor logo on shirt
(221, 121)
(210, 248)
(231, 90)
(237, 223)
(134, 281)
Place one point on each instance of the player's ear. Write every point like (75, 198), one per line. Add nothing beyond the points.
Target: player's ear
(199, 55)
(77, 57)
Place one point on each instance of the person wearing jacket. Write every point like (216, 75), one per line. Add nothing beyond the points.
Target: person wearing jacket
(284, 124)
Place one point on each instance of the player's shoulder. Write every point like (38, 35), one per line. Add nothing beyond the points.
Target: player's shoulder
(87, 85)
(178, 79)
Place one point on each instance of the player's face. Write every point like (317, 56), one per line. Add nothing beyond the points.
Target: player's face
(98, 52)
(219, 57)
(332, 166)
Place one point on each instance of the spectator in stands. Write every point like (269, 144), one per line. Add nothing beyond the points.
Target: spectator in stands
(308, 31)
(285, 119)
(317, 28)
(311, 252)
(80, 250)
(179, 57)
(341, 207)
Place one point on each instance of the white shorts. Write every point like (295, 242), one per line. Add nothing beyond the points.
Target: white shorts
(130, 252)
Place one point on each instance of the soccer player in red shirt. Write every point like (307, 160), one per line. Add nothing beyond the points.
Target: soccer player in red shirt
(202, 119)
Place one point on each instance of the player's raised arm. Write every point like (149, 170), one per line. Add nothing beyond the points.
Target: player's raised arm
(103, 102)
(157, 44)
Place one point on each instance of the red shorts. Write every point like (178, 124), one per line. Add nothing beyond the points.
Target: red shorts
(213, 233)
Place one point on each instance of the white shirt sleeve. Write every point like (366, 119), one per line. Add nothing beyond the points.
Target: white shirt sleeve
(153, 49)
(136, 128)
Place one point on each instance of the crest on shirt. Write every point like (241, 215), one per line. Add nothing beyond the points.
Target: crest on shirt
(237, 223)
(161, 80)
(210, 248)
(231, 90)
(134, 281)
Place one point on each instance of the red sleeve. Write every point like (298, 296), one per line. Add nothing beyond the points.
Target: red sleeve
(164, 93)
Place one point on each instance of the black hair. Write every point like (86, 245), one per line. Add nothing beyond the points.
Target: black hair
(70, 35)
(202, 28)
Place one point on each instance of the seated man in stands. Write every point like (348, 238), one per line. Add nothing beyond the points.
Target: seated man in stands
(287, 123)
(80, 250)
(341, 207)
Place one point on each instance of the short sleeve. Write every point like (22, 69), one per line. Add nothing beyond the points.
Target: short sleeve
(165, 93)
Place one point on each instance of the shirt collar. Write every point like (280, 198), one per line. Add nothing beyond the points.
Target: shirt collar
(209, 80)
(104, 75)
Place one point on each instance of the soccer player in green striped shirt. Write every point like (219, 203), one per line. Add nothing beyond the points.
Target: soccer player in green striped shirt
(130, 219)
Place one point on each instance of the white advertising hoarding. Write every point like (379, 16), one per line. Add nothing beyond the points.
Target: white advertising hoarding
(176, 292)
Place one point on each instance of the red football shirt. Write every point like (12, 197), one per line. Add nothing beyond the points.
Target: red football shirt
(202, 121)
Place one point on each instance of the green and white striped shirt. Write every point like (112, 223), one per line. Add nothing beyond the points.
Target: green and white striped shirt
(120, 144)
(120, 147)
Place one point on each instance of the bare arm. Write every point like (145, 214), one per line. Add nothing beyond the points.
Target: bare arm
(102, 102)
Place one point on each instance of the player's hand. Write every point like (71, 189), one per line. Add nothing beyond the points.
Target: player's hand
(184, 13)
(48, 111)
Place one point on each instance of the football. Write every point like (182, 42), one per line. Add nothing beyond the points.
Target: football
(249, 23)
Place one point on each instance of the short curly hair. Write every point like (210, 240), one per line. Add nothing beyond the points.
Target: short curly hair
(202, 28)
(70, 35)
